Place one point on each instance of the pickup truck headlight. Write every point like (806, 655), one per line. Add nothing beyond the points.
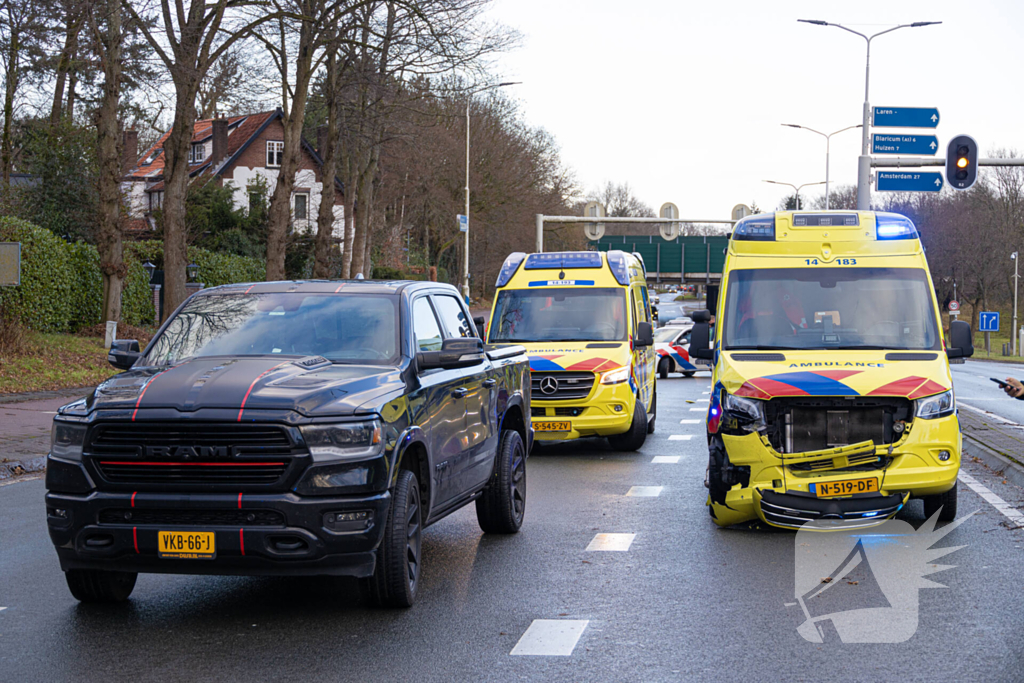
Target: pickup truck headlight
(748, 412)
(934, 407)
(66, 440)
(343, 441)
(616, 376)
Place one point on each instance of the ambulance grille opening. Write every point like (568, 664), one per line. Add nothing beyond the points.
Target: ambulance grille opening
(799, 425)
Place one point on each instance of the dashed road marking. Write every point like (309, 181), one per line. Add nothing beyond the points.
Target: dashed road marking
(611, 542)
(666, 459)
(1011, 513)
(551, 637)
(644, 491)
(703, 400)
(705, 392)
(690, 422)
(697, 410)
(680, 437)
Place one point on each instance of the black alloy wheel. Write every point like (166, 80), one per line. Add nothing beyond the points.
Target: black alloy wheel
(502, 506)
(396, 578)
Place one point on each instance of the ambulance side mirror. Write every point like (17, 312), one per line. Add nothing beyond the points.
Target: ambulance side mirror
(700, 341)
(644, 335)
(961, 341)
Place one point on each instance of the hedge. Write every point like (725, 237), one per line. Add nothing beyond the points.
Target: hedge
(43, 301)
(215, 268)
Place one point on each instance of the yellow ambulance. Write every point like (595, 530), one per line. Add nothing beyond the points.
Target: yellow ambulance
(832, 396)
(585, 320)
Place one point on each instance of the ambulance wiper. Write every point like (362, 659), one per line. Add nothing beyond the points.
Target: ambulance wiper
(764, 348)
(860, 347)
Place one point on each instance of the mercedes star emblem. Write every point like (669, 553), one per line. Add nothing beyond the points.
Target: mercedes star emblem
(548, 385)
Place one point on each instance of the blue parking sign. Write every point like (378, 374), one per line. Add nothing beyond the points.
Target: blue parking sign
(988, 321)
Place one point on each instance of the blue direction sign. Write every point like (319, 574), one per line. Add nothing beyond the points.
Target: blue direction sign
(889, 143)
(988, 321)
(906, 117)
(908, 181)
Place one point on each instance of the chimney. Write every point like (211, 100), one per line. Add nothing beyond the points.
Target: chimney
(220, 140)
(129, 150)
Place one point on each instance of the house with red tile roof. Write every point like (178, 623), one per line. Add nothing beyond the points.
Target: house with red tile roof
(237, 150)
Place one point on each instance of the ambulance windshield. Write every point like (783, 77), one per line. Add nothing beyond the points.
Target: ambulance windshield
(559, 314)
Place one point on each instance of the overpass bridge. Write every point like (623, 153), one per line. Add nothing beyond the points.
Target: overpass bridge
(689, 260)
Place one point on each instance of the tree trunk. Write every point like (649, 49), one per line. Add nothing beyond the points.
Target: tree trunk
(67, 53)
(108, 152)
(280, 203)
(176, 149)
(11, 78)
(329, 156)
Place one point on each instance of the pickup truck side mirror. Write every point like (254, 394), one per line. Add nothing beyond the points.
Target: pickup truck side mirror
(700, 340)
(123, 353)
(460, 352)
(961, 341)
(644, 335)
(481, 325)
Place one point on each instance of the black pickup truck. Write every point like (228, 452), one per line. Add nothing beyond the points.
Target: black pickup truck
(290, 428)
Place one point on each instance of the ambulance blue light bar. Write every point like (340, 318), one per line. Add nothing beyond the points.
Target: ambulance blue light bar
(564, 260)
(509, 268)
(617, 262)
(893, 226)
(759, 228)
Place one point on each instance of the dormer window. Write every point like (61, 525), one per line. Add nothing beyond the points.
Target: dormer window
(148, 160)
(275, 153)
(196, 155)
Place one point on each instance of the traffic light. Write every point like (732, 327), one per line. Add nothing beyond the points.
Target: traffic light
(962, 162)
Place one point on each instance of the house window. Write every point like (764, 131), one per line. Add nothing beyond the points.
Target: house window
(156, 200)
(275, 153)
(301, 207)
(196, 154)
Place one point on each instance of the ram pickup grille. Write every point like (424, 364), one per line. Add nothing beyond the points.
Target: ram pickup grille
(134, 437)
(566, 386)
(226, 473)
(137, 516)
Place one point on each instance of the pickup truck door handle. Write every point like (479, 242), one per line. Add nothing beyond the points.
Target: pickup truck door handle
(490, 383)
(460, 392)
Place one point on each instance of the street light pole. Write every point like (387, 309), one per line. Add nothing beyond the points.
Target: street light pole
(796, 189)
(864, 161)
(828, 145)
(1014, 332)
(465, 257)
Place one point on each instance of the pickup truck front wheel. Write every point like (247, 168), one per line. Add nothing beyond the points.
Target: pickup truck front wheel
(501, 508)
(397, 574)
(95, 585)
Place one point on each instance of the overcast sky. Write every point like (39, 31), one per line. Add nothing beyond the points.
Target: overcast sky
(684, 99)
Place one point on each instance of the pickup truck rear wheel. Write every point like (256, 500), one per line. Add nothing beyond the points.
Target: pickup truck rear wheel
(637, 434)
(95, 585)
(397, 574)
(946, 501)
(501, 508)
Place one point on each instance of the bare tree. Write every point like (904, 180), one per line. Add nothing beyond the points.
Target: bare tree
(23, 31)
(194, 36)
(619, 200)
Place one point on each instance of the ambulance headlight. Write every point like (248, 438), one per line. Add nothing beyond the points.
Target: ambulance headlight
(934, 407)
(748, 412)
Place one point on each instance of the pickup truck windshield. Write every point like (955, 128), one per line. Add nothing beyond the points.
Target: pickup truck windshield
(343, 328)
(560, 314)
(830, 308)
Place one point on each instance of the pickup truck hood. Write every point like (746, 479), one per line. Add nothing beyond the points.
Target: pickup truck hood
(309, 386)
(766, 374)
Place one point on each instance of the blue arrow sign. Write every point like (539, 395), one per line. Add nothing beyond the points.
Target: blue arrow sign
(906, 117)
(889, 143)
(908, 181)
(988, 321)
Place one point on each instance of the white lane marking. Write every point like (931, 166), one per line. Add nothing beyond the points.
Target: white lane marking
(551, 637)
(987, 413)
(690, 422)
(680, 437)
(667, 459)
(644, 491)
(611, 542)
(1011, 513)
(48, 412)
(705, 392)
(697, 410)
(2, 609)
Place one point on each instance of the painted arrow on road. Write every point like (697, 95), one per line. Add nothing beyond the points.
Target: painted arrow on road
(889, 143)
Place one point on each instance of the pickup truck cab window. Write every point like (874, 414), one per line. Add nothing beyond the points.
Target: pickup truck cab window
(453, 317)
(428, 333)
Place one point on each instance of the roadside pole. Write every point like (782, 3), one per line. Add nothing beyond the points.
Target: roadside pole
(1013, 330)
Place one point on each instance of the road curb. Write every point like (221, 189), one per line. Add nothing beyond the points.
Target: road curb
(69, 393)
(1011, 469)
